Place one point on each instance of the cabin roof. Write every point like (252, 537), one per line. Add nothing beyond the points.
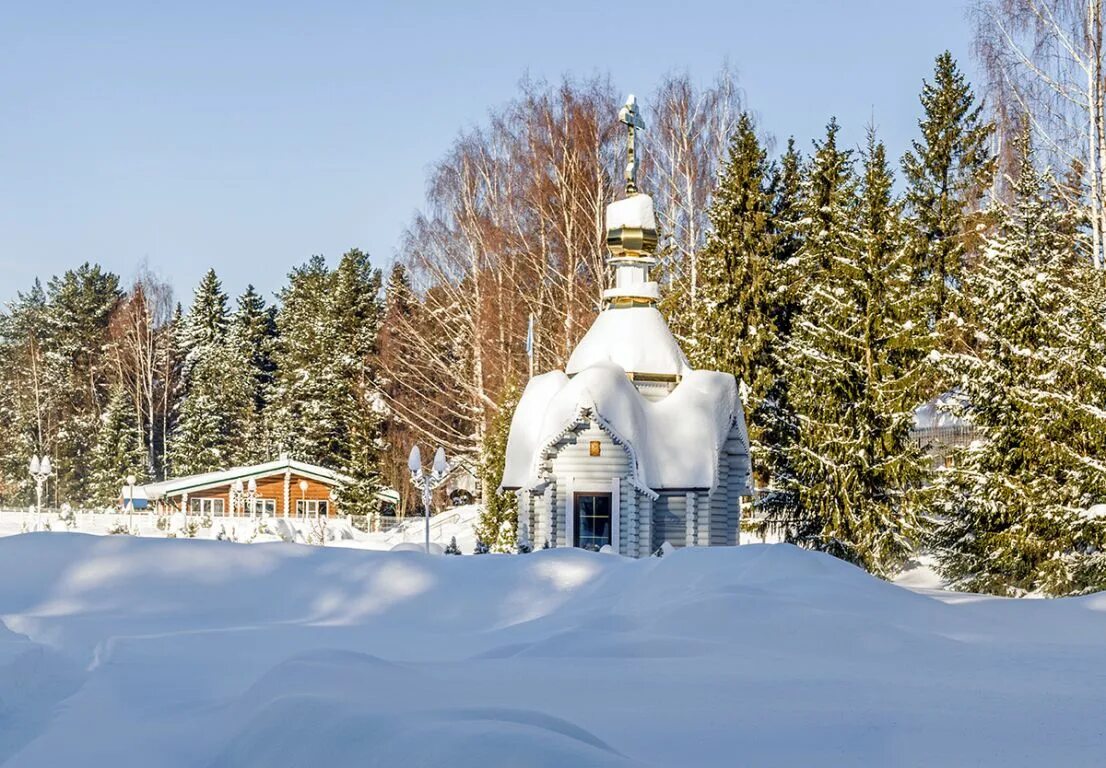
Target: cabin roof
(180, 485)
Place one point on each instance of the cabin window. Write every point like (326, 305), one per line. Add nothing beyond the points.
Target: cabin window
(262, 506)
(311, 508)
(593, 520)
(206, 506)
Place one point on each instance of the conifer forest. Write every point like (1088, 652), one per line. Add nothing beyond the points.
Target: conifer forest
(845, 288)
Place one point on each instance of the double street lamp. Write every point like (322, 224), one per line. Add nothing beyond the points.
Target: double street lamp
(41, 469)
(426, 481)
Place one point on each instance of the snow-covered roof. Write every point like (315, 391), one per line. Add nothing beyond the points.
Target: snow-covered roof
(1095, 512)
(179, 485)
(633, 212)
(674, 443)
(636, 339)
(937, 413)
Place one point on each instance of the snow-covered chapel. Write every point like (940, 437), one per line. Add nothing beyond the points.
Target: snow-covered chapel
(629, 446)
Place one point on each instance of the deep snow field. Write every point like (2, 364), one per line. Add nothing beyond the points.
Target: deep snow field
(122, 651)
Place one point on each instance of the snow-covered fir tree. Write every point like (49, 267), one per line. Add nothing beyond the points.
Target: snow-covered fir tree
(326, 408)
(498, 523)
(205, 325)
(77, 375)
(357, 308)
(252, 338)
(774, 422)
(25, 423)
(120, 450)
(736, 330)
(849, 360)
(747, 306)
(214, 396)
(1033, 386)
(947, 171)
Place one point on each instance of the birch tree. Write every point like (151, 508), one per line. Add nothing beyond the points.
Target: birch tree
(1044, 60)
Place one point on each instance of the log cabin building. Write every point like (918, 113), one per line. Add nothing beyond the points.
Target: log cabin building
(281, 488)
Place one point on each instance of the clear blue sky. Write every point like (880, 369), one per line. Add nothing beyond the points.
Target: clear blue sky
(249, 135)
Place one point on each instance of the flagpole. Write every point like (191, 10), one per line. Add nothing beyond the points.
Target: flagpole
(530, 343)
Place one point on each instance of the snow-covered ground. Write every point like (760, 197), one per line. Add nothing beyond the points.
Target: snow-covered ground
(456, 522)
(117, 650)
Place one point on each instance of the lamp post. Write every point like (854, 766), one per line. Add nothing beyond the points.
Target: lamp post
(237, 491)
(251, 495)
(303, 498)
(40, 471)
(131, 480)
(426, 481)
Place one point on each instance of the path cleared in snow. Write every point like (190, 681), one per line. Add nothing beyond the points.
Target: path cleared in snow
(149, 652)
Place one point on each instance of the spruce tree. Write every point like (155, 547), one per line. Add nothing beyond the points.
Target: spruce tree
(774, 422)
(214, 396)
(252, 337)
(205, 325)
(119, 450)
(326, 403)
(850, 352)
(1034, 389)
(25, 403)
(77, 376)
(498, 523)
(745, 282)
(947, 172)
(357, 308)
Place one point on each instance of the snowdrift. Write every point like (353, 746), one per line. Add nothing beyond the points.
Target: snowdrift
(124, 651)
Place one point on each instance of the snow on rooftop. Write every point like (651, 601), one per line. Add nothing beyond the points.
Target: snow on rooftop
(636, 339)
(675, 442)
(938, 413)
(633, 212)
(176, 485)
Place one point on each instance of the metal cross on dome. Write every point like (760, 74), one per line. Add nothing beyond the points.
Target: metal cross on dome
(631, 118)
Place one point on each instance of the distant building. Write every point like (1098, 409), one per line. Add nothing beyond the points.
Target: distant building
(939, 432)
(284, 487)
(629, 447)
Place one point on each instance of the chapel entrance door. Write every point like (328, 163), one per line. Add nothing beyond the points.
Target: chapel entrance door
(593, 520)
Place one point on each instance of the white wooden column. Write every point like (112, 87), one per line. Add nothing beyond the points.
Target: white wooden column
(616, 516)
(570, 512)
(689, 519)
(287, 491)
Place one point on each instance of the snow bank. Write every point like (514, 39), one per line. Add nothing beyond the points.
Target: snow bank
(127, 651)
(675, 442)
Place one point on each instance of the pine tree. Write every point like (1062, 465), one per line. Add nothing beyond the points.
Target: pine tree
(1034, 389)
(947, 173)
(498, 523)
(847, 359)
(119, 450)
